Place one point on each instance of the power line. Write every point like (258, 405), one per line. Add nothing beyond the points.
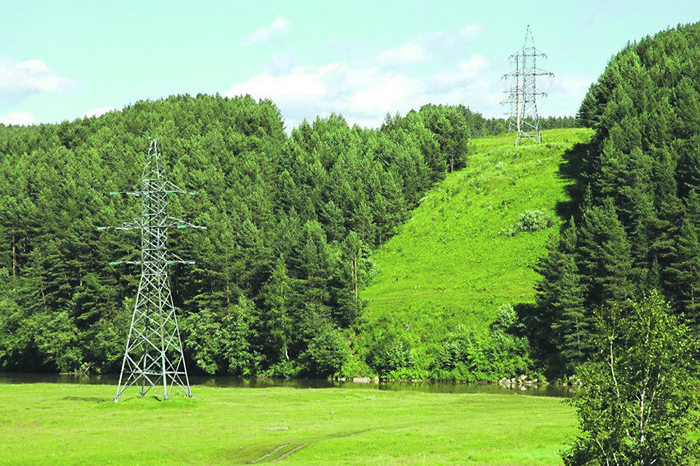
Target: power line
(521, 97)
(154, 353)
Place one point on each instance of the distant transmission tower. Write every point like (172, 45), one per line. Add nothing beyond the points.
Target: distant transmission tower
(154, 354)
(522, 93)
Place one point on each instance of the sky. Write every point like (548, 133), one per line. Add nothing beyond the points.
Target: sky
(63, 60)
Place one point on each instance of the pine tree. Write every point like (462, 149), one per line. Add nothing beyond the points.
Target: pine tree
(561, 321)
(684, 273)
(604, 254)
(670, 213)
(572, 326)
(278, 321)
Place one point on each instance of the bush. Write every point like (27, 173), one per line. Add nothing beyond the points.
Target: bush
(469, 356)
(506, 318)
(390, 355)
(325, 354)
(530, 221)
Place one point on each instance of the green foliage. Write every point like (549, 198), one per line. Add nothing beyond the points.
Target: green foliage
(558, 325)
(293, 225)
(293, 221)
(391, 352)
(448, 268)
(326, 353)
(278, 326)
(482, 355)
(506, 319)
(638, 401)
(223, 342)
(470, 355)
(452, 135)
(530, 221)
(637, 223)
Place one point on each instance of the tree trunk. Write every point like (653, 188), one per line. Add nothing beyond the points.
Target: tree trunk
(14, 258)
(354, 276)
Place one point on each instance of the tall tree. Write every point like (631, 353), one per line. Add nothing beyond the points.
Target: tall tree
(638, 403)
(604, 256)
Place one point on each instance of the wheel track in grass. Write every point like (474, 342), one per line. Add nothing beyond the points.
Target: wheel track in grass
(262, 458)
(272, 458)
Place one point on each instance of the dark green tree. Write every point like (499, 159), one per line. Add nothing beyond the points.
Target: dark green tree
(604, 256)
(558, 325)
(278, 319)
(684, 273)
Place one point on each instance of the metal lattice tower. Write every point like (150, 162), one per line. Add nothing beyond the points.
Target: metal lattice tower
(154, 354)
(522, 93)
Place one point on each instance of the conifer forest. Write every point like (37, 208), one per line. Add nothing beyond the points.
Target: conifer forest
(296, 219)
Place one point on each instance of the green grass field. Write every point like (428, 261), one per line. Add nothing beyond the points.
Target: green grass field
(449, 264)
(79, 424)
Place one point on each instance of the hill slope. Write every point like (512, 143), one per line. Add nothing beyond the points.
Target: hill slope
(453, 264)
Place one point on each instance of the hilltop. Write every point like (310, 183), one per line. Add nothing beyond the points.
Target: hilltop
(455, 262)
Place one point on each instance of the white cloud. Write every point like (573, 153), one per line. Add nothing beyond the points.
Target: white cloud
(428, 48)
(364, 95)
(470, 31)
(95, 112)
(307, 92)
(365, 91)
(465, 71)
(281, 63)
(277, 28)
(18, 119)
(565, 92)
(300, 83)
(386, 95)
(20, 80)
(407, 54)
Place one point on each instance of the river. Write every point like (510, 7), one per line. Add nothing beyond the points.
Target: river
(236, 382)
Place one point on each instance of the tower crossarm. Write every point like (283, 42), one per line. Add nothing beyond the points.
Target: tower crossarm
(172, 222)
(134, 224)
(168, 188)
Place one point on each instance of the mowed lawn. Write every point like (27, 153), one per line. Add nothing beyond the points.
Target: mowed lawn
(80, 424)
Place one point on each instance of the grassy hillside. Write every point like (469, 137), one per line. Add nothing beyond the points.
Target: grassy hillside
(451, 263)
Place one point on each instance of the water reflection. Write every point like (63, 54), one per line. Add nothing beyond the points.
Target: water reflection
(428, 387)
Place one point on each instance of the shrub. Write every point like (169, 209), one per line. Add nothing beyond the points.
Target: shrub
(392, 354)
(326, 353)
(530, 221)
(468, 355)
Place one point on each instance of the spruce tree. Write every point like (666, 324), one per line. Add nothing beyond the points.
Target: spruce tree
(572, 326)
(604, 257)
(278, 319)
(684, 273)
(560, 318)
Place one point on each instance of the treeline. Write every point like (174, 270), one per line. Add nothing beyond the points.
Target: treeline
(292, 222)
(482, 127)
(637, 225)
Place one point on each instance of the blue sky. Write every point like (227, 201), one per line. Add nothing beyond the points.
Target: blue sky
(62, 60)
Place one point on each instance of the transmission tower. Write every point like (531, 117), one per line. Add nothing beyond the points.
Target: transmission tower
(154, 354)
(522, 93)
